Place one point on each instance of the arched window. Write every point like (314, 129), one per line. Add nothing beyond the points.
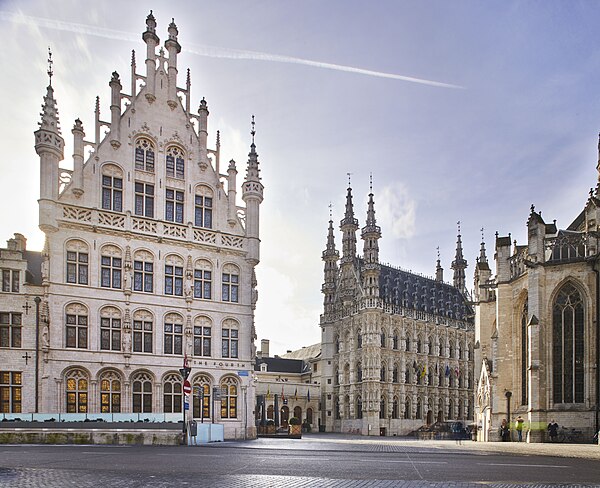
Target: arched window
(395, 340)
(298, 412)
(203, 207)
(567, 346)
(174, 275)
(358, 372)
(359, 407)
(175, 162)
(143, 271)
(382, 373)
(524, 356)
(112, 188)
(111, 267)
(395, 408)
(76, 326)
(77, 391)
(407, 373)
(309, 412)
(383, 339)
(172, 395)
(229, 339)
(144, 155)
(359, 339)
(77, 262)
(142, 393)
(110, 393)
(407, 409)
(395, 374)
(142, 331)
(202, 383)
(382, 408)
(173, 338)
(407, 343)
(229, 396)
(419, 412)
(203, 279)
(230, 283)
(202, 336)
(110, 329)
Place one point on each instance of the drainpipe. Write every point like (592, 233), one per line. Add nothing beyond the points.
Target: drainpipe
(37, 301)
(597, 428)
(508, 394)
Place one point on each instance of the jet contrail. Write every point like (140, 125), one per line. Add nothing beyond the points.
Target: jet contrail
(205, 50)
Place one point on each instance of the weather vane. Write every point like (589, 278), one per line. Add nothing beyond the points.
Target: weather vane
(50, 72)
(253, 130)
(458, 223)
(330, 207)
(349, 174)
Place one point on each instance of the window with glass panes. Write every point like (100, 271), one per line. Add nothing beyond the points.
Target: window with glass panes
(203, 211)
(110, 272)
(77, 267)
(228, 399)
(143, 276)
(202, 340)
(173, 280)
(10, 392)
(144, 199)
(144, 155)
(112, 193)
(230, 287)
(174, 206)
(202, 383)
(172, 395)
(10, 280)
(110, 334)
(110, 394)
(202, 284)
(10, 329)
(142, 336)
(142, 394)
(175, 162)
(229, 343)
(77, 330)
(173, 338)
(77, 393)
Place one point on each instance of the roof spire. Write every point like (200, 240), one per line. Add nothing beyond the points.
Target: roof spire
(482, 256)
(439, 271)
(459, 264)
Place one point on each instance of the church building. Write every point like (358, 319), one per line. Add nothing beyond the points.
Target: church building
(148, 259)
(396, 347)
(537, 328)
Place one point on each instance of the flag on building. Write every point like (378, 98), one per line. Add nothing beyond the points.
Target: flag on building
(447, 373)
(424, 372)
(296, 394)
(308, 395)
(268, 392)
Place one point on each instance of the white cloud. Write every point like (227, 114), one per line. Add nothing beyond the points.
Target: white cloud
(396, 211)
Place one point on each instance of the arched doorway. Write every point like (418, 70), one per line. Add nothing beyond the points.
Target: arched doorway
(429, 417)
(309, 415)
(298, 413)
(285, 416)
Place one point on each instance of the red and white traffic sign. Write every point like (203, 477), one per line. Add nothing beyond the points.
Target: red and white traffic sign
(187, 388)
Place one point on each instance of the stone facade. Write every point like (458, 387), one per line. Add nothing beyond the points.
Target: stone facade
(147, 257)
(537, 328)
(397, 348)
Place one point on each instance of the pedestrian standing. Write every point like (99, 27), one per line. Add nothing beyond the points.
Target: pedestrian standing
(553, 430)
(504, 431)
(519, 426)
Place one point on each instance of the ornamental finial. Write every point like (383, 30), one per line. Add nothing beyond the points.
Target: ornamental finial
(253, 129)
(50, 62)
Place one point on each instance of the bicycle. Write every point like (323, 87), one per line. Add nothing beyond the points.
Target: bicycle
(569, 435)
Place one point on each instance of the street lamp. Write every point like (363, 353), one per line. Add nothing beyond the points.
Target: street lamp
(185, 373)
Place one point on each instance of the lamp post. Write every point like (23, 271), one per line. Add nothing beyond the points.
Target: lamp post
(185, 373)
(508, 394)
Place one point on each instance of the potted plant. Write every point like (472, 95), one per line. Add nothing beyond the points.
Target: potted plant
(270, 426)
(295, 427)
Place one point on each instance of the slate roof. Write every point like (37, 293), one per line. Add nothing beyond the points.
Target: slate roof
(405, 289)
(34, 267)
(281, 365)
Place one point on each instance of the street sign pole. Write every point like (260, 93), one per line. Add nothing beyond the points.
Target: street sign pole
(185, 373)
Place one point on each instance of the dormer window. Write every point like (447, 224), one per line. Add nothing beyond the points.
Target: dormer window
(144, 155)
(175, 162)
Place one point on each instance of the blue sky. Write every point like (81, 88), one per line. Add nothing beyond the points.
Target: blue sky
(522, 129)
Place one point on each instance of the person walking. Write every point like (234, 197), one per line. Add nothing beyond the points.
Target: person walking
(519, 427)
(553, 430)
(504, 431)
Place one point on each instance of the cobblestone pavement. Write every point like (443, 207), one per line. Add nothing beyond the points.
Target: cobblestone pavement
(50, 478)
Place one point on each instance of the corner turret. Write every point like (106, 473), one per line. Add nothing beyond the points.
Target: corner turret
(349, 226)
(252, 195)
(151, 40)
(459, 265)
(371, 233)
(173, 48)
(330, 256)
(439, 271)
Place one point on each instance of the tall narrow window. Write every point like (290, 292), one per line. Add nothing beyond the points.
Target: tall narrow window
(359, 372)
(524, 357)
(567, 346)
(111, 267)
(229, 399)
(174, 206)
(203, 280)
(110, 393)
(10, 280)
(112, 193)
(10, 329)
(77, 392)
(202, 336)
(144, 155)
(142, 331)
(359, 408)
(229, 339)
(77, 262)
(174, 276)
(10, 392)
(203, 384)
(359, 339)
(110, 329)
(142, 393)
(143, 272)
(76, 326)
(172, 394)
(230, 284)
(382, 408)
(203, 207)
(173, 338)
(175, 162)
(395, 408)
(144, 199)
